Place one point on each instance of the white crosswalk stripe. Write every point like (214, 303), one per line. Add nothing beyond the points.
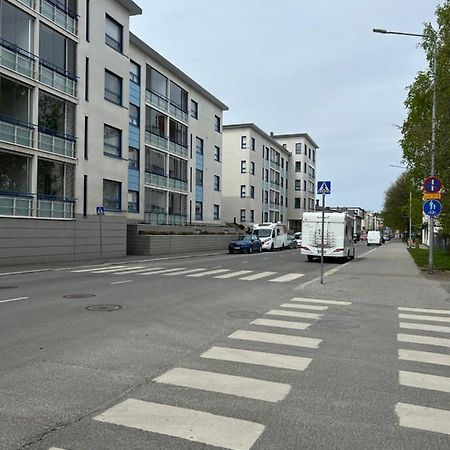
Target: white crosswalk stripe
(308, 307)
(281, 312)
(258, 358)
(163, 271)
(425, 357)
(423, 418)
(183, 272)
(425, 310)
(424, 327)
(189, 424)
(424, 318)
(119, 271)
(281, 324)
(426, 340)
(317, 300)
(258, 276)
(233, 274)
(272, 338)
(210, 272)
(424, 381)
(95, 269)
(146, 269)
(287, 277)
(227, 384)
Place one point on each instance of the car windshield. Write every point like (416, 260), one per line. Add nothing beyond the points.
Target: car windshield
(243, 238)
(263, 232)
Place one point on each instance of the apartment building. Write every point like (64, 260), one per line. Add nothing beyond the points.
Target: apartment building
(255, 176)
(91, 116)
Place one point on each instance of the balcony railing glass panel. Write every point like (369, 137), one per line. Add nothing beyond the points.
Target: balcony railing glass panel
(177, 219)
(156, 140)
(157, 100)
(59, 14)
(63, 145)
(16, 131)
(178, 113)
(56, 79)
(155, 218)
(16, 59)
(16, 204)
(55, 208)
(179, 149)
(179, 185)
(156, 179)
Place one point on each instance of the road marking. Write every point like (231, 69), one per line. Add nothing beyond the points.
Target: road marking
(147, 269)
(122, 282)
(23, 272)
(281, 324)
(280, 312)
(424, 327)
(287, 277)
(424, 381)
(309, 307)
(190, 424)
(425, 318)
(258, 358)
(93, 270)
(257, 276)
(13, 299)
(226, 384)
(425, 357)
(162, 271)
(425, 310)
(422, 418)
(234, 274)
(272, 338)
(317, 300)
(210, 272)
(183, 272)
(119, 271)
(426, 340)
(55, 448)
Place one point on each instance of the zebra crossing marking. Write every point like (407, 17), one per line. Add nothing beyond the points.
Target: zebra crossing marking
(210, 272)
(189, 424)
(281, 324)
(183, 272)
(424, 327)
(281, 312)
(425, 310)
(317, 300)
(308, 307)
(424, 318)
(424, 381)
(146, 269)
(258, 276)
(423, 418)
(287, 277)
(163, 271)
(273, 338)
(258, 358)
(226, 384)
(93, 270)
(426, 340)
(233, 274)
(119, 271)
(425, 357)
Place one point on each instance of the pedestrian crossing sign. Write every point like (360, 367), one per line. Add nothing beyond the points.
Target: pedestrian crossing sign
(324, 187)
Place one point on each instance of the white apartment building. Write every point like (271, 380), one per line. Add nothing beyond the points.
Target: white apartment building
(91, 116)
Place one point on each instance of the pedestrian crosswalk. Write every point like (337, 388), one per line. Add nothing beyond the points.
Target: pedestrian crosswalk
(426, 353)
(196, 272)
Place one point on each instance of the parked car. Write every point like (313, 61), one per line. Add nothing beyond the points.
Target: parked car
(291, 242)
(298, 238)
(374, 238)
(245, 243)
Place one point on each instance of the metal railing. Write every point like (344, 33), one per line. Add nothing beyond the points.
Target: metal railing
(16, 204)
(177, 219)
(177, 112)
(156, 179)
(156, 140)
(59, 14)
(30, 3)
(179, 185)
(55, 208)
(155, 218)
(178, 149)
(16, 59)
(157, 100)
(16, 132)
(54, 143)
(55, 78)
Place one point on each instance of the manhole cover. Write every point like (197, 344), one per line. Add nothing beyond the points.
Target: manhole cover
(79, 295)
(9, 287)
(103, 308)
(338, 324)
(243, 314)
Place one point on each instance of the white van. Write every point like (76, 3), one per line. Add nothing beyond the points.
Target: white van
(374, 238)
(272, 235)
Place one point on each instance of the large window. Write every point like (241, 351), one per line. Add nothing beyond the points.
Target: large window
(177, 169)
(112, 191)
(114, 34)
(178, 96)
(298, 149)
(15, 26)
(55, 115)
(198, 177)
(15, 100)
(134, 115)
(155, 162)
(199, 146)
(133, 158)
(133, 201)
(135, 72)
(198, 210)
(156, 82)
(55, 179)
(112, 145)
(113, 88)
(298, 166)
(155, 122)
(178, 133)
(14, 173)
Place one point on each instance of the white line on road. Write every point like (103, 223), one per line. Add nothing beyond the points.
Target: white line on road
(424, 381)
(210, 272)
(422, 418)
(146, 269)
(425, 318)
(13, 299)
(95, 269)
(183, 272)
(426, 340)
(424, 327)
(258, 358)
(272, 338)
(233, 274)
(226, 384)
(122, 282)
(281, 324)
(300, 306)
(287, 277)
(193, 425)
(119, 271)
(425, 310)
(281, 312)
(318, 300)
(425, 357)
(162, 271)
(257, 276)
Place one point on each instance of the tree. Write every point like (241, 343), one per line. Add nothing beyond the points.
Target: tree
(416, 129)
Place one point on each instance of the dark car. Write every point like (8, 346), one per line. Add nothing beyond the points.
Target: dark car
(246, 243)
(291, 242)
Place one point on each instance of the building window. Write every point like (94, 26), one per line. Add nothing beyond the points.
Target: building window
(282, 163)
(286, 166)
(266, 175)
(242, 190)
(217, 124)
(86, 80)
(298, 166)
(216, 183)
(252, 215)
(133, 158)
(216, 212)
(252, 168)
(178, 97)
(243, 166)
(199, 146)
(112, 142)
(266, 196)
(198, 210)
(134, 115)
(298, 185)
(252, 191)
(305, 168)
(252, 144)
(112, 194)
(194, 109)
(309, 153)
(242, 215)
(113, 88)
(314, 155)
(113, 34)
(198, 177)
(304, 185)
(297, 204)
(133, 203)
(217, 153)
(306, 149)
(243, 141)
(298, 149)
(304, 203)
(135, 73)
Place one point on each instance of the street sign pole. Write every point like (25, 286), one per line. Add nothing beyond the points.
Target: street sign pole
(100, 210)
(322, 238)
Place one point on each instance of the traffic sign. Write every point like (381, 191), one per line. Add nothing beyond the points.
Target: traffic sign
(100, 210)
(432, 185)
(432, 208)
(324, 187)
(436, 196)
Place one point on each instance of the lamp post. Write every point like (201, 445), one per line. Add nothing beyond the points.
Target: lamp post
(433, 126)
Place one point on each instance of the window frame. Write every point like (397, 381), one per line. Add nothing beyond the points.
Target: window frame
(217, 124)
(112, 40)
(119, 199)
(117, 154)
(217, 155)
(194, 109)
(113, 95)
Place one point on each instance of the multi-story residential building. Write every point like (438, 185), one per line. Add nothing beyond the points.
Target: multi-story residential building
(302, 175)
(91, 116)
(255, 176)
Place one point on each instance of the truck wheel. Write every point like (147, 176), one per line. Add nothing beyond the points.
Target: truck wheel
(310, 258)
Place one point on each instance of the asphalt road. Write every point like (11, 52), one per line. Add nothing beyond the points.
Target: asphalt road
(181, 366)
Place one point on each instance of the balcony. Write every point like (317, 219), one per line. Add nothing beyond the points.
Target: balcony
(15, 131)
(58, 79)
(58, 14)
(55, 207)
(177, 219)
(16, 204)
(29, 3)
(156, 140)
(156, 179)
(157, 100)
(177, 112)
(179, 185)
(178, 149)
(156, 216)
(16, 59)
(57, 143)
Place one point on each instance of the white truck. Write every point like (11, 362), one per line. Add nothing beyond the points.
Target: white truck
(337, 239)
(272, 235)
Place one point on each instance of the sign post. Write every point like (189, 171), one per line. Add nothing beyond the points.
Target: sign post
(324, 188)
(100, 211)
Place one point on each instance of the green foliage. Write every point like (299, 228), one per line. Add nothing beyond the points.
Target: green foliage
(441, 260)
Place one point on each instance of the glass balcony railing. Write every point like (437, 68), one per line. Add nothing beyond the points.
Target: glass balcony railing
(179, 185)
(157, 100)
(157, 217)
(54, 77)
(16, 204)
(16, 131)
(59, 14)
(58, 143)
(179, 149)
(156, 179)
(177, 219)
(177, 112)
(16, 59)
(55, 207)
(156, 140)
(30, 3)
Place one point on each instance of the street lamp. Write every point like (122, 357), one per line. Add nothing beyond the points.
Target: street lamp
(433, 125)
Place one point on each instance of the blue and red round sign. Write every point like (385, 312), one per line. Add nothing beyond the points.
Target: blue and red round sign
(432, 185)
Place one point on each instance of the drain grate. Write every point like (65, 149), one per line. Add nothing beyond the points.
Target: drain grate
(8, 287)
(79, 295)
(103, 308)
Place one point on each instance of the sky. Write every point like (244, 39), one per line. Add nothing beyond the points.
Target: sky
(302, 66)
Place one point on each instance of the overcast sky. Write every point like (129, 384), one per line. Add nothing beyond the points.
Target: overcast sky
(294, 66)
